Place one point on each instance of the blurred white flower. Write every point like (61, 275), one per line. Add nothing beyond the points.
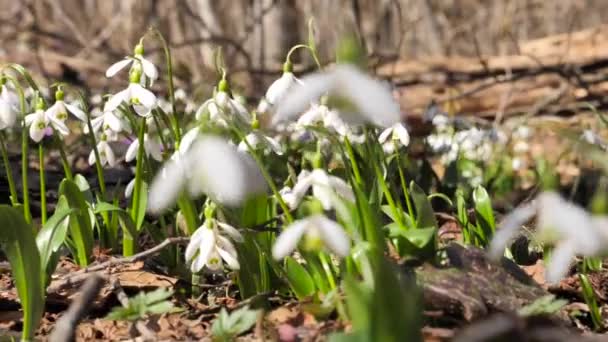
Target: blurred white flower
(317, 230)
(141, 98)
(397, 133)
(152, 147)
(39, 123)
(109, 120)
(209, 246)
(129, 188)
(592, 138)
(149, 69)
(106, 154)
(441, 122)
(188, 139)
(368, 100)
(211, 166)
(324, 186)
(255, 139)
(222, 108)
(9, 107)
(571, 230)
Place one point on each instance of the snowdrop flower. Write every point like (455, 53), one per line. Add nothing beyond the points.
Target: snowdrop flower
(323, 187)
(317, 230)
(592, 138)
(209, 246)
(39, 122)
(106, 154)
(60, 109)
(141, 98)
(222, 108)
(255, 139)
(321, 114)
(187, 139)
(149, 69)
(368, 99)
(289, 197)
(109, 120)
(398, 133)
(211, 166)
(570, 228)
(152, 147)
(8, 106)
(279, 88)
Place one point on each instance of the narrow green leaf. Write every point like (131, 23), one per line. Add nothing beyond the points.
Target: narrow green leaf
(19, 245)
(425, 216)
(484, 213)
(126, 222)
(300, 280)
(80, 227)
(53, 233)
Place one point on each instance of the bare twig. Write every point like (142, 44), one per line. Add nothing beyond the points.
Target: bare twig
(65, 327)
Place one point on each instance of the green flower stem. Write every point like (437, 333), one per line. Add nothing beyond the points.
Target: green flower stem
(353, 160)
(267, 177)
(24, 168)
(406, 192)
(326, 264)
(98, 167)
(128, 247)
(188, 209)
(160, 135)
(9, 172)
(176, 129)
(43, 212)
(67, 170)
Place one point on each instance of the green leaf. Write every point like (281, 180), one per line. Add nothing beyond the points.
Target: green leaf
(425, 216)
(144, 303)
(420, 237)
(18, 243)
(229, 325)
(484, 213)
(300, 280)
(84, 187)
(80, 227)
(126, 222)
(143, 205)
(53, 233)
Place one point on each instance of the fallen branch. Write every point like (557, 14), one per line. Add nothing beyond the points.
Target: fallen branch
(65, 327)
(78, 276)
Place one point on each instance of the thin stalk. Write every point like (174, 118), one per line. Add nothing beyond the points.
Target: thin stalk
(24, 168)
(326, 264)
(98, 167)
(128, 247)
(43, 212)
(353, 160)
(9, 172)
(176, 129)
(406, 192)
(267, 177)
(64, 161)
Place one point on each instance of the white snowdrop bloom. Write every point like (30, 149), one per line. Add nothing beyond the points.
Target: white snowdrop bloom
(592, 138)
(323, 186)
(211, 166)
(368, 100)
(141, 98)
(149, 69)
(571, 230)
(180, 95)
(109, 120)
(397, 133)
(222, 108)
(209, 245)
(39, 122)
(255, 139)
(316, 230)
(152, 147)
(60, 109)
(441, 122)
(321, 114)
(9, 107)
(289, 197)
(106, 154)
(522, 132)
(279, 88)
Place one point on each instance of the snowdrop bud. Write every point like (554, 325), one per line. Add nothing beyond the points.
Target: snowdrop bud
(139, 49)
(135, 75)
(39, 103)
(223, 86)
(59, 94)
(255, 123)
(287, 66)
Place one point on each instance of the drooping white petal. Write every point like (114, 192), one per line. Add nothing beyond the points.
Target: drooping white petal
(333, 235)
(195, 243)
(30, 118)
(131, 153)
(386, 133)
(79, 113)
(402, 134)
(342, 188)
(274, 145)
(188, 139)
(37, 128)
(153, 148)
(129, 188)
(142, 95)
(230, 258)
(288, 240)
(105, 149)
(91, 157)
(561, 258)
(240, 111)
(231, 231)
(280, 87)
(118, 98)
(116, 67)
(372, 99)
(149, 68)
(167, 186)
(509, 227)
(301, 96)
(59, 125)
(205, 250)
